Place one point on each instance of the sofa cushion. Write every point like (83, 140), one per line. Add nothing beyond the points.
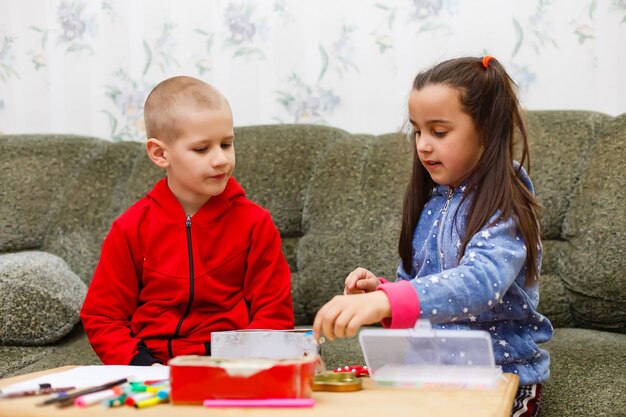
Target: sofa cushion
(587, 374)
(554, 301)
(351, 215)
(73, 349)
(275, 165)
(560, 142)
(40, 298)
(35, 170)
(93, 197)
(593, 267)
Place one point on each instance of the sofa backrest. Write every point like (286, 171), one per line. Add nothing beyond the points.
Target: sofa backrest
(561, 142)
(336, 199)
(593, 266)
(578, 171)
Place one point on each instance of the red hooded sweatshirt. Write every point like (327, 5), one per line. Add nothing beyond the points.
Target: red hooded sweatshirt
(165, 280)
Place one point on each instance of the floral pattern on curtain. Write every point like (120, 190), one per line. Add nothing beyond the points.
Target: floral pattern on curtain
(86, 66)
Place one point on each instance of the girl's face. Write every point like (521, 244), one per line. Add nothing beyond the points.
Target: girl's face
(446, 139)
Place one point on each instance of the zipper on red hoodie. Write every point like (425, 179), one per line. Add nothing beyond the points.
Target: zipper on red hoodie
(191, 289)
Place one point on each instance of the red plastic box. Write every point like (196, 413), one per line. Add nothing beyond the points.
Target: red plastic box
(194, 379)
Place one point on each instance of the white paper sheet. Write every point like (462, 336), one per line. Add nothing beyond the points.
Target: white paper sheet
(89, 376)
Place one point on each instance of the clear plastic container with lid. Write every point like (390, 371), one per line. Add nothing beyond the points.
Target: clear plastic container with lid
(423, 356)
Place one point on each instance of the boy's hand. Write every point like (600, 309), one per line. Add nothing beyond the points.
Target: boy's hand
(344, 315)
(360, 281)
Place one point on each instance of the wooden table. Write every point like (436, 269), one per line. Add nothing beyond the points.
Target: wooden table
(371, 401)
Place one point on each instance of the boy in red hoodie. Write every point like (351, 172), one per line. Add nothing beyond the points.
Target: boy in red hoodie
(194, 255)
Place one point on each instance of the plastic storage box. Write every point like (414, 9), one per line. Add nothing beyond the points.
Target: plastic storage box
(263, 344)
(423, 356)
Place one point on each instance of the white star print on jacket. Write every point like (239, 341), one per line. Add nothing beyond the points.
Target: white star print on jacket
(484, 290)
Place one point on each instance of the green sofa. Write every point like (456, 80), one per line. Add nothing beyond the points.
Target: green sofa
(336, 199)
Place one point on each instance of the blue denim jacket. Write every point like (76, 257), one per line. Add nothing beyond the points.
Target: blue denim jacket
(484, 290)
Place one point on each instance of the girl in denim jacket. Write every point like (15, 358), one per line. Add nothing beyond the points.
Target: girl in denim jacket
(470, 241)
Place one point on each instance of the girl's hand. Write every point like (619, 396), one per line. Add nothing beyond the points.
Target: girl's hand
(344, 315)
(360, 281)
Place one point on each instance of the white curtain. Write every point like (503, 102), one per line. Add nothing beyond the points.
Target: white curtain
(86, 66)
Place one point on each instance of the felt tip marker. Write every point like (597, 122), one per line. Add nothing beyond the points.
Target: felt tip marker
(155, 388)
(149, 402)
(135, 398)
(138, 387)
(67, 399)
(156, 382)
(97, 397)
(164, 393)
(29, 393)
(114, 402)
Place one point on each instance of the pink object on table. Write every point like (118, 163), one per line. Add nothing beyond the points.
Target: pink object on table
(265, 402)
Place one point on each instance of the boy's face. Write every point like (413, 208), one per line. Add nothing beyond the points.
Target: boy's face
(201, 158)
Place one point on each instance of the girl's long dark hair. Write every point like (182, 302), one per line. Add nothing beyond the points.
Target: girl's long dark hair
(488, 96)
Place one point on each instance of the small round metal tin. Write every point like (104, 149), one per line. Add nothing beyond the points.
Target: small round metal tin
(338, 382)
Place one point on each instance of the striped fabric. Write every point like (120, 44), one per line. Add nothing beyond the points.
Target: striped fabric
(527, 401)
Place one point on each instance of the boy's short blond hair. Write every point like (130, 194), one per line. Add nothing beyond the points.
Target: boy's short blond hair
(171, 99)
